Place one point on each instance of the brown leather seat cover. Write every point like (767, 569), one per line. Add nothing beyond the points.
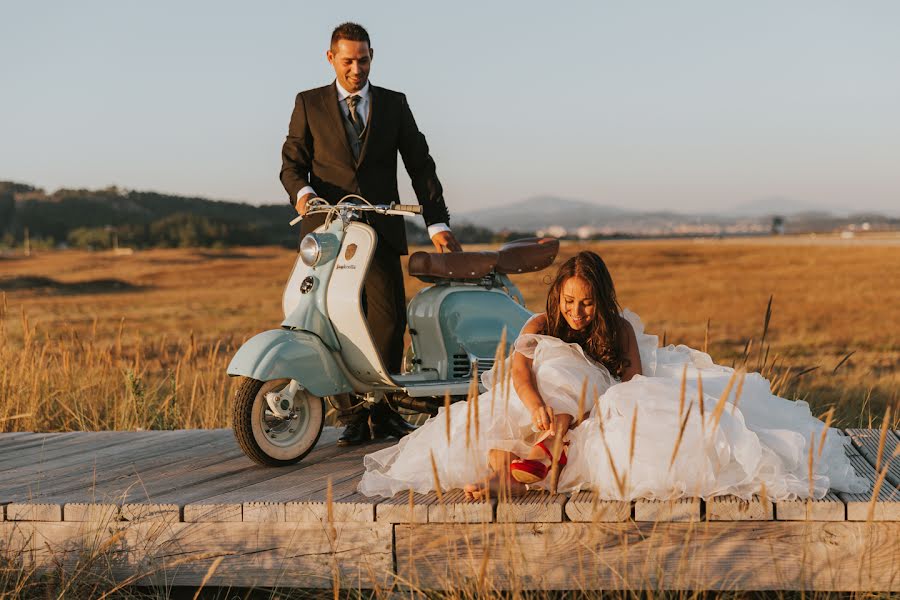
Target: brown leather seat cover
(452, 265)
(527, 255)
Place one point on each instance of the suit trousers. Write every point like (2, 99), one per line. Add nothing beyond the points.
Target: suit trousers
(384, 304)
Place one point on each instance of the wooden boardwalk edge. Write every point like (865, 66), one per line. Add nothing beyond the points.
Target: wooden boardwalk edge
(744, 555)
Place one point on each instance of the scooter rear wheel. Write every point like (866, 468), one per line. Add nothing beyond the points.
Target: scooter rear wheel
(270, 440)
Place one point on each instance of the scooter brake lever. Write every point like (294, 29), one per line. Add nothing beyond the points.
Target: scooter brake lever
(296, 220)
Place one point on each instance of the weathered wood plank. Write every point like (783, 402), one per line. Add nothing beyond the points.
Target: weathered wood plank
(45, 440)
(397, 509)
(85, 492)
(308, 555)
(52, 511)
(97, 468)
(884, 507)
(347, 505)
(66, 449)
(163, 491)
(585, 506)
(19, 437)
(743, 556)
(829, 508)
(732, 508)
(296, 485)
(683, 509)
(454, 508)
(536, 506)
(867, 442)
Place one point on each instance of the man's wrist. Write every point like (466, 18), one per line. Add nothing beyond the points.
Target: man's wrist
(304, 191)
(437, 228)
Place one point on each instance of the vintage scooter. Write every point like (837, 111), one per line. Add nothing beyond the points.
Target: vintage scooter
(324, 347)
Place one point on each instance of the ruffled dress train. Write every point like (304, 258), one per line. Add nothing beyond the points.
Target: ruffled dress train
(639, 440)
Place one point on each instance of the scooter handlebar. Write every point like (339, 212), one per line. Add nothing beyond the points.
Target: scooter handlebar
(413, 208)
(393, 209)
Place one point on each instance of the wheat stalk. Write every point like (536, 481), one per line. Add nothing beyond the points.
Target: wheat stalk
(720, 405)
(828, 417)
(738, 391)
(447, 413)
(883, 437)
(437, 479)
(680, 435)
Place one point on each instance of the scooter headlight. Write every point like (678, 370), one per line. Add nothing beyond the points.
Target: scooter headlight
(310, 250)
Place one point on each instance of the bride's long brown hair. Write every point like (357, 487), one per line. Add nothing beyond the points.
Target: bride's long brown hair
(602, 339)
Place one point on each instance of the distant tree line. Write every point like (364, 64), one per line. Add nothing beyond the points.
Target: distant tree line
(101, 219)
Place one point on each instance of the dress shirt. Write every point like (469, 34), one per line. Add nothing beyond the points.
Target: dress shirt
(362, 109)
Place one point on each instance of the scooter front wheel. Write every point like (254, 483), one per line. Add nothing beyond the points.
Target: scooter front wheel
(267, 438)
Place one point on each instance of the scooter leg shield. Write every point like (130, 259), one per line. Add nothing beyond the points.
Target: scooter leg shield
(297, 355)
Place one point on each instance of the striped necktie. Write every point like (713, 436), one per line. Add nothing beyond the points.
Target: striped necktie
(355, 119)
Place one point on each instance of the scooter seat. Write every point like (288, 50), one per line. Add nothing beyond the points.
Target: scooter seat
(431, 266)
(527, 255)
(518, 256)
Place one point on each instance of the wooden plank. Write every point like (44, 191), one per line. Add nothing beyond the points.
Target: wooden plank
(745, 555)
(586, 506)
(19, 437)
(885, 507)
(732, 508)
(37, 511)
(683, 509)
(397, 509)
(454, 508)
(829, 508)
(269, 555)
(867, 442)
(66, 449)
(90, 511)
(536, 506)
(82, 492)
(97, 467)
(163, 491)
(45, 440)
(226, 504)
(347, 505)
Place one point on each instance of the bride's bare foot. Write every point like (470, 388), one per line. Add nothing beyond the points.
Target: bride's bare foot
(491, 488)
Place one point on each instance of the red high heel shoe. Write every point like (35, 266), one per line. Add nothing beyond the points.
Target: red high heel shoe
(527, 471)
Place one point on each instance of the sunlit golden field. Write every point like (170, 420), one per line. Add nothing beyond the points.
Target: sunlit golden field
(100, 341)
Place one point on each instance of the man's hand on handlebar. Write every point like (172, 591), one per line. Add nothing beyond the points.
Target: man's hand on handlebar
(301, 204)
(445, 241)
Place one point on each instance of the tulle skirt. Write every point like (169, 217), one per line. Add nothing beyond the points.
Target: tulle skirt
(641, 439)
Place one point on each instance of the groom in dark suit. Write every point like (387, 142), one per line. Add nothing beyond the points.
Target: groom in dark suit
(344, 139)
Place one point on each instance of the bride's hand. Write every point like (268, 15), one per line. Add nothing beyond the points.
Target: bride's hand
(542, 418)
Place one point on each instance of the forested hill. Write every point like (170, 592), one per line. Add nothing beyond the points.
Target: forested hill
(103, 218)
(88, 217)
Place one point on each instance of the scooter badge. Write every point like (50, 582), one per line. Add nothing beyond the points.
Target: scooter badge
(350, 252)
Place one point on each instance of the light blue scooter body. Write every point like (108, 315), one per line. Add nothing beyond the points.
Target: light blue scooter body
(302, 349)
(286, 354)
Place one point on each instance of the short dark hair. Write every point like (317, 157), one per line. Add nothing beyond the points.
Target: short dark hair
(349, 31)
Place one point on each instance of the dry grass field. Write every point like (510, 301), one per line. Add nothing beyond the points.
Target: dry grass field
(102, 341)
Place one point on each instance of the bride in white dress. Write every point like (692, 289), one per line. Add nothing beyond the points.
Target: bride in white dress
(634, 420)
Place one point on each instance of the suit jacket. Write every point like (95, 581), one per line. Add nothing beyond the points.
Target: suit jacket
(317, 153)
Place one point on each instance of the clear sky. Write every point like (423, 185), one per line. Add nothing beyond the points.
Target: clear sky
(689, 105)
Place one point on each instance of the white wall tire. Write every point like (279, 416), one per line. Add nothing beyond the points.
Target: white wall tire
(267, 439)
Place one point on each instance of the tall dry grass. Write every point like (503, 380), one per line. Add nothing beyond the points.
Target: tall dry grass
(98, 341)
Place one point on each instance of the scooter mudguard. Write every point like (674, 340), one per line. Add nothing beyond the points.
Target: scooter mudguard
(297, 355)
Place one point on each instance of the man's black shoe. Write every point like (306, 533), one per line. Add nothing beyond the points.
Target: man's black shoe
(387, 423)
(356, 432)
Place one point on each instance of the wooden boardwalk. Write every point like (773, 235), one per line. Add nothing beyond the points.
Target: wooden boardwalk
(180, 506)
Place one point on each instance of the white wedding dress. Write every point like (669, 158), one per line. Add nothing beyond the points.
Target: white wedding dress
(758, 439)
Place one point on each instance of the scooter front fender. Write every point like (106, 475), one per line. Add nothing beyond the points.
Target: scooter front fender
(297, 355)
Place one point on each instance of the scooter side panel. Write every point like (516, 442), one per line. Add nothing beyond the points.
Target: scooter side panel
(461, 319)
(297, 355)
